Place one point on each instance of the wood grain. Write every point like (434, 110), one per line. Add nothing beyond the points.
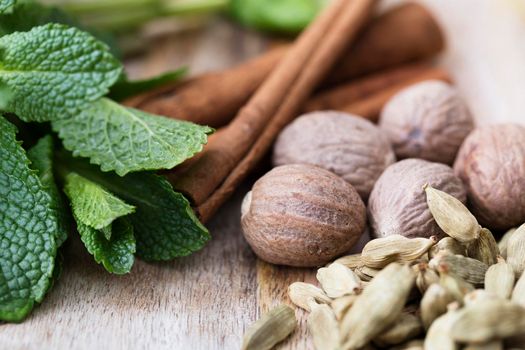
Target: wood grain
(206, 301)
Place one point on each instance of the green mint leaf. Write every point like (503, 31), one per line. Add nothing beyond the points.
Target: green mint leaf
(54, 71)
(93, 205)
(6, 95)
(27, 231)
(41, 157)
(107, 231)
(116, 254)
(6, 5)
(164, 224)
(125, 88)
(126, 140)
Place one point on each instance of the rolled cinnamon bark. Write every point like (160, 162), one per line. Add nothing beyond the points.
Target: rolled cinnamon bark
(227, 159)
(366, 97)
(371, 105)
(404, 34)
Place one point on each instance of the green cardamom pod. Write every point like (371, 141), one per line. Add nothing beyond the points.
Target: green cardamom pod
(500, 279)
(378, 306)
(271, 329)
(451, 215)
(488, 320)
(485, 248)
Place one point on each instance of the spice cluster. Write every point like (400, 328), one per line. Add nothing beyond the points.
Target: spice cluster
(434, 275)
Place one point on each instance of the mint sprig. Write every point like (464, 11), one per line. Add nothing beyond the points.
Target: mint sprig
(28, 228)
(59, 74)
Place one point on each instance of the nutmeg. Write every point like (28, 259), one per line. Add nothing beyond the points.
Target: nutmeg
(302, 215)
(491, 163)
(342, 143)
(428, 120)
(398, 205)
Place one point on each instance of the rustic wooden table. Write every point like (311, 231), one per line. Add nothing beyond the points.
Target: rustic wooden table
(206, 301)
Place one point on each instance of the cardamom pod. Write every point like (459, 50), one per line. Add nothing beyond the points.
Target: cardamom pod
(270, 329)
(477, 296)
(425, 276)
(451, 215)
(493, 345)
(499, 279)
(434, 304)
(351, 261)
(488, 320)
(406, 327)
(518, 294)
(342, 305)
(471, 270)
(379, 305)
(516, 250)
(338, 280)
(485, 248)
(366, 273)
(439, 335)
(410, 345)
(453, 284)
(300, 293)
(380, 252)
(324, 328)
(449, 244)
(502, 244)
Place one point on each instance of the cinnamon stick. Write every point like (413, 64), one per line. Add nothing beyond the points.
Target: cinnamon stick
(228, 159)
(371, 106)
(364, 87)
(366, 96)
(404, 34)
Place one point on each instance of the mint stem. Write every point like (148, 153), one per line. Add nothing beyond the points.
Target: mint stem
(123, 14)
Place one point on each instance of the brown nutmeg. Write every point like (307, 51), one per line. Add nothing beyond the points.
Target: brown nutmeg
(398, 204)
(342, 143)
(302, 215)
(428, 120)
(491, 163)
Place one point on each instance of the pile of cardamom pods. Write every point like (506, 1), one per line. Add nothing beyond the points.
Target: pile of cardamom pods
(464, 291)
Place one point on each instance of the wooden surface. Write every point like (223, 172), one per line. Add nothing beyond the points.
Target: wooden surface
(206, 301)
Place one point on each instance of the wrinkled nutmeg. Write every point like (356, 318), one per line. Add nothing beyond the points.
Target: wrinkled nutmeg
(428, 120)
(344, 144)
(491, 163)
(302, 215)
(398, 204)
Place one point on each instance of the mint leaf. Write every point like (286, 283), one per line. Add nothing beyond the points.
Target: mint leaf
(164, 224)
(6, 95)
(54, 71)
(116, 254)
(126, 140)
(41, 156)
(27, 231)
(93, 205)
(125, 88)
(6, 5)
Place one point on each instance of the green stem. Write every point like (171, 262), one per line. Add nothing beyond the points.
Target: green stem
(124, 14)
